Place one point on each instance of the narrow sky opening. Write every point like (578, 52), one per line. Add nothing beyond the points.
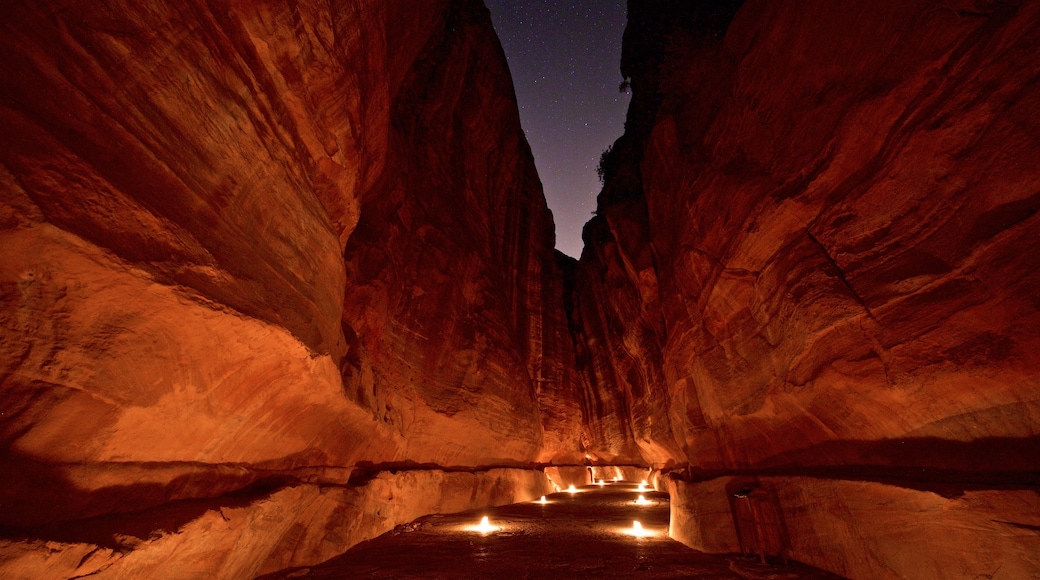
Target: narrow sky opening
(565, 57)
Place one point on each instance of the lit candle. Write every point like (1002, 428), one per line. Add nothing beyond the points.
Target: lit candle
(572, 489)
(485, 526)
(542, 501)
(638, 531)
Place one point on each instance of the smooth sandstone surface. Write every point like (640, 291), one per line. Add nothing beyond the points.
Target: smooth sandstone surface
(832, 245)
(254, 246)
(247, 536)
(862, 529)
(256, 256)
(817, 250)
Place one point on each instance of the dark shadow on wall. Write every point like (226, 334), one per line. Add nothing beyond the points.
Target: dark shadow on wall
(948, 468)
(41, 500)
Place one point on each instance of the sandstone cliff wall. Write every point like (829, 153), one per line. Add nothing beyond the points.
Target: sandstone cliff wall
(826, 240)
(245, 245)
(817, 249)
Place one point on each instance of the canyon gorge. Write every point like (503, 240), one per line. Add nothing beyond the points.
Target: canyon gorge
(277, 277)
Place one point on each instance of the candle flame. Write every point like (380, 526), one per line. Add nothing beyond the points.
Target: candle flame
(643, 501)
(638, 531)
(542, 501)
(484, 527)
(572, 489)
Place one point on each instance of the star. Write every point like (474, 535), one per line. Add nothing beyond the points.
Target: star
(565, 57)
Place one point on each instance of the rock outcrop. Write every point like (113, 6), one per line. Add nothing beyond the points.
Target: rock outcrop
(252, 245)
(817, 253)
(277, 277)
(248, 535)
(457, 332)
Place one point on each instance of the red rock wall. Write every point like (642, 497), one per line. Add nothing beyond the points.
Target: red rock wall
(293, 526)
(454, 297)
(258, 243)
(817, 249)
(862, 529)
(838, 247)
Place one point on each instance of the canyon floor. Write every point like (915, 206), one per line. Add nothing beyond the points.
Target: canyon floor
(586, 534)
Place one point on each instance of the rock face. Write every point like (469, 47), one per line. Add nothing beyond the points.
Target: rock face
(244, 537)
(862, 529)
(276, 277)
(248, 245)
(457, 333)
(817, 250)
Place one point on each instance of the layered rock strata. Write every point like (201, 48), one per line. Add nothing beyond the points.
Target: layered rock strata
(256, 244)
(249, 535)
(864, 529)
(816, 252)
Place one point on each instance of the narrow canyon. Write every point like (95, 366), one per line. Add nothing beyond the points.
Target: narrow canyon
(277, 277)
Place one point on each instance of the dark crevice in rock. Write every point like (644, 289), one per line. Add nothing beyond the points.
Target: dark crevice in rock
(840, 274)
(1020, 525)
(364, 472)
(944, 482)
(120, 531)
(948, 468)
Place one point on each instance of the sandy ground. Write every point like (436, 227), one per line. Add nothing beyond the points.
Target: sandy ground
(580, 535)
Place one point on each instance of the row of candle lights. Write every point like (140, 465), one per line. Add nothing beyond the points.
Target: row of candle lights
(637, 530)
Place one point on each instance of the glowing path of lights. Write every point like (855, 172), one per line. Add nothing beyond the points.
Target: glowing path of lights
(600, 532)
(637, 530)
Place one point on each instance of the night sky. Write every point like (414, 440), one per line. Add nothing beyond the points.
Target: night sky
(564, 56)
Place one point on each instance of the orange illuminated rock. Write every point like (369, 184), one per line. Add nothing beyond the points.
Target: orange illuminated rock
(259, 244)
(821, 241)
(253, 253)
(817, 251)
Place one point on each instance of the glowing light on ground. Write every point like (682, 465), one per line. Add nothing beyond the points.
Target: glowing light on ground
(484, 527)
(601, 483)
(638, 531)
(642, 501)
(616, 479)
(542, 501)
(572, 489)
(642, 486)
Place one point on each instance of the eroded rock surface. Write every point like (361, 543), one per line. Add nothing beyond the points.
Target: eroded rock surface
(826, 248)
(262, 243)
(817, 247)
(248, 535)
(249, 251)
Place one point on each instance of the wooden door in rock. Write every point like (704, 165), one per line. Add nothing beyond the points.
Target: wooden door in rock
(758, 521)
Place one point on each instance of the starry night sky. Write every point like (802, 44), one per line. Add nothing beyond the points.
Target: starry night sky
(565, 56)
